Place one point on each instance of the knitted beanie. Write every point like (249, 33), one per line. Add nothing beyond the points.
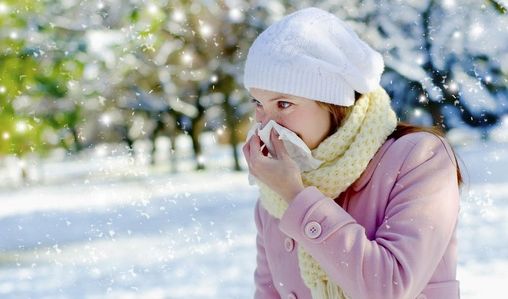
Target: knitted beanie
(313, 54)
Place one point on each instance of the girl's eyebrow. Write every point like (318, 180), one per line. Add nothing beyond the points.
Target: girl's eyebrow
(274, 99)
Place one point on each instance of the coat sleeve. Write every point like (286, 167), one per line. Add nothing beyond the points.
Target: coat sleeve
(262, 276)
(420, 219)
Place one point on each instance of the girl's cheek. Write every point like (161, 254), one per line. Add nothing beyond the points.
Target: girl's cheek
(259, 115)
(291, 122)
(295, 125)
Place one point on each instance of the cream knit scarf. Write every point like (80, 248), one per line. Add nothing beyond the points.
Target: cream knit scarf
(346, 153)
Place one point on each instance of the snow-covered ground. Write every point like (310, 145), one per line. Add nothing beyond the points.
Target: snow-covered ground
(110, 227)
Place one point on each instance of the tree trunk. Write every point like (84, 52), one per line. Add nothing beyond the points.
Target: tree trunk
(77, 145)
(197, 127)
(173, 160)
(158, 128)
(231, 123)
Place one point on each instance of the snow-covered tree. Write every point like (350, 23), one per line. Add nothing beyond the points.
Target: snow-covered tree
(445, 60)
(89, 72)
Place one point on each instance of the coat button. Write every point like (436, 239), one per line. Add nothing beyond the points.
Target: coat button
(421, 296)
(291, 296)
(289, 244)
(313, 229)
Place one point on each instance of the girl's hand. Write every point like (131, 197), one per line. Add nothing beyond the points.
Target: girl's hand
(279, 172)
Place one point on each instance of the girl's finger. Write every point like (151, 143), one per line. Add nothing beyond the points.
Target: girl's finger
(275, 142)
(254, 146)
(278, 144)
(246, 150)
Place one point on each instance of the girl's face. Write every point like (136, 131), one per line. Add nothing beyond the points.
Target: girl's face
(305, 117)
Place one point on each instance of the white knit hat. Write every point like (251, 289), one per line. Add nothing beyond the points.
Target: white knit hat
(313, 54)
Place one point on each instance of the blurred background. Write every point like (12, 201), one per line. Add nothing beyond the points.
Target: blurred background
(121, 126)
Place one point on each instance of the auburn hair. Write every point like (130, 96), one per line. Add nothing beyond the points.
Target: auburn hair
(340, 113)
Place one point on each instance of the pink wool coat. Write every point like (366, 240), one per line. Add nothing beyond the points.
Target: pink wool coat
(391, 234)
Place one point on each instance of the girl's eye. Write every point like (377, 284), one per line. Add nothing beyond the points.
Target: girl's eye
(280, 104)
(284, 105)
(256, 102)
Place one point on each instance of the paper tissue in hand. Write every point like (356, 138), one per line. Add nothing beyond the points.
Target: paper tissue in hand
(296, 147)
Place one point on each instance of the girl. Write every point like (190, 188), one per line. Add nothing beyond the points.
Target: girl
(377, 219)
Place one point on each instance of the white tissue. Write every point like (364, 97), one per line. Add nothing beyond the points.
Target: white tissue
(296, 147)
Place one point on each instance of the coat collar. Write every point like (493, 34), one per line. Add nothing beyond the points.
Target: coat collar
(367, 173)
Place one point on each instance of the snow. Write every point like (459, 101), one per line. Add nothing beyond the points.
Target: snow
(483, 227)
(138, 238)
(500, 132)
(108, 227)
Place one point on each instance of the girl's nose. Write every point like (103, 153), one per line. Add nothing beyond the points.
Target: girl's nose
(264, 118)
(265, 121)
